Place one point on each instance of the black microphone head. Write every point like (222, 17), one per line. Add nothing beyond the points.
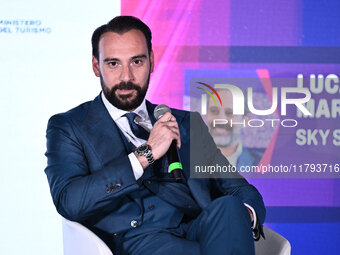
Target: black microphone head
(160, 110)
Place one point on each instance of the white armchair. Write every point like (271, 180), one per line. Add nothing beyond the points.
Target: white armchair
(78, 240)
(274, 244)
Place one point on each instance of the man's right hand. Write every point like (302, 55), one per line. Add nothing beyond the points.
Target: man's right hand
(162, 134)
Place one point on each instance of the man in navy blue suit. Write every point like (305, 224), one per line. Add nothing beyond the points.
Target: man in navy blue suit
(107, 165)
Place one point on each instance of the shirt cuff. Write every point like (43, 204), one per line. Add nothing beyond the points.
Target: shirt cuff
(254, 214)
(136, 166)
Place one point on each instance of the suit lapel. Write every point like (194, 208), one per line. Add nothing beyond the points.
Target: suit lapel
(105, 136)
(103, 133)
(150, 108)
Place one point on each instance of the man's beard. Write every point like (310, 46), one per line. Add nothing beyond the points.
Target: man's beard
(223, 140)
(125, 102)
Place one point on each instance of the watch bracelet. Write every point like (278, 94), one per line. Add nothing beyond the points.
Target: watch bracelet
(148, 155)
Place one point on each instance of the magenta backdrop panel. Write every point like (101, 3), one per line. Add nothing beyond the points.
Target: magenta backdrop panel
(244, 35)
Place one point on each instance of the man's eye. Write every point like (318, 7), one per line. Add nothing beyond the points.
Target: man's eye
(214, 110)
(137, 61)
(113, 64)
(228, 112)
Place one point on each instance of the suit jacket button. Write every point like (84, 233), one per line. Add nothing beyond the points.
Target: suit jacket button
(117, 186)
(116, 235)
(151, 207)
(134, 223)
(108, 190)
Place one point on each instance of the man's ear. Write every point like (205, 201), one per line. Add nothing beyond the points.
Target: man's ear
(95, 66)
(152, 61)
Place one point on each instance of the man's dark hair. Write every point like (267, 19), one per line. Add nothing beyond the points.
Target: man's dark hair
(120, 25)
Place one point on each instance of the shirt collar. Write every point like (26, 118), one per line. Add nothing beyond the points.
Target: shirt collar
(233, 158)
(116, 113)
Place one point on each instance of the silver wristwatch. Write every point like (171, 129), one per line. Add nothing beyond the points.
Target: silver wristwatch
(145, 150)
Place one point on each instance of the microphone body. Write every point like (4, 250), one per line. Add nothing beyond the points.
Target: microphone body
(175, 166)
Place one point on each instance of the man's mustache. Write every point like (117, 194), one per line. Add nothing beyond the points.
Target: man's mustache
(126, 86)
(226, 127)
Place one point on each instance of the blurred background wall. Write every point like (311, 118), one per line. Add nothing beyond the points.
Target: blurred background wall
(45, 68)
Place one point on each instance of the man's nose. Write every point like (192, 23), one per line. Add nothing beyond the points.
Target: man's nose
(224, 115)
(126, 74)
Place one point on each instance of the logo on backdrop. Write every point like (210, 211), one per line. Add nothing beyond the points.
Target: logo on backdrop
(239, 99)
(228, 106)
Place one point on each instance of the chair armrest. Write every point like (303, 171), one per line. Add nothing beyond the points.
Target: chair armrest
(274, 244)
(78, 239)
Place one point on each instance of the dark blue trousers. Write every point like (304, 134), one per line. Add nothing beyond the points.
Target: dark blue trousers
(222, 228)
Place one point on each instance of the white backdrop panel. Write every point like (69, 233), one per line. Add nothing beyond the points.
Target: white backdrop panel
(45, 68)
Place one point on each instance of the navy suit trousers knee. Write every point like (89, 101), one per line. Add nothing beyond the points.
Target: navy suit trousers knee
(222, 228)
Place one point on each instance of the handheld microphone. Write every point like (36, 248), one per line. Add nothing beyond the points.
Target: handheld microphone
(175, 165)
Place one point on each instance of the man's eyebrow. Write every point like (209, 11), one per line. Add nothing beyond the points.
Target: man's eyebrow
(116, 59)
(139, 56)
(110, 59)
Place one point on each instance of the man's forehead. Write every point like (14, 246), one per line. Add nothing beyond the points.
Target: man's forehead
(132, 36)
(226, 97)
(122, 45)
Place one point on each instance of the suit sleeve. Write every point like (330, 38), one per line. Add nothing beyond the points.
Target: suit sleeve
(226, 183)
(77, 192)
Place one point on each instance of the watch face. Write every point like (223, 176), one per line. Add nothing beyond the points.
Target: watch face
(142, 148)
(145, 150)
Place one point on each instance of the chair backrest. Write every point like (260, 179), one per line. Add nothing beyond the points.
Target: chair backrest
(79, 240)
(274, 244)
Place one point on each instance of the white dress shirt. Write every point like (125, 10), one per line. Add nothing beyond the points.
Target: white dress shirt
(122, 122)
(233, 158)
